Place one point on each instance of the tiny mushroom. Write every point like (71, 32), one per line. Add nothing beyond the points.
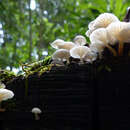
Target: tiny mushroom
(67, 45)
(90, 57)
(80, 40)
(79, 52)
(57, 43)
(5, 94)
(61, 55)
(36, 111)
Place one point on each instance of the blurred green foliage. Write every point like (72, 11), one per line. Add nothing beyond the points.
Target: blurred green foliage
(25, 33)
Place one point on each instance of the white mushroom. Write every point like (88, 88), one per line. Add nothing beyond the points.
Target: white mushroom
(61, 55)
(90, 26)
(102, 21)
(57, 43)
(80, 40)
(99, 40)
(36, 111)
(119, 32)
(90, 57)
(2, 85)
(79, 52)
(5, 94)
(67, 45)
(88, 33)
(97, 47)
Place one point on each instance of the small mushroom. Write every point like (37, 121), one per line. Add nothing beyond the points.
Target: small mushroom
(80, 40)
(90, 26)
(36, 111)
(5, 94)
(67, 45)
(57, 43)
(61, 55)
(102, 21)
(119, 32)
(79, 52)
(88, 33)
(99, 40)
(90, 57)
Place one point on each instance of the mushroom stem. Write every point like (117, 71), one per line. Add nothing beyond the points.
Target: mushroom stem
(36, 116)
(112, 50)
(120, 49)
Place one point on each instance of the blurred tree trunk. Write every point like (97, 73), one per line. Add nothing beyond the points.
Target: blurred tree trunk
(14, 55)
(42, 5)
(30, 31)
(40, 42)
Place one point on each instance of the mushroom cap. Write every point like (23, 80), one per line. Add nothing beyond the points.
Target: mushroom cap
(119, 31)
(5, 94)
(67, 45)
(61, 54)
(99, 36)
(90, 25)
(80, 40)
(88, 33)
(36, 110)
(57, 43)
(102, 21)
(79, 51)
(2, 85)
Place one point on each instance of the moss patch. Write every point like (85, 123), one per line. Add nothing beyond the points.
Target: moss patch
(37, 67)
(6, 76)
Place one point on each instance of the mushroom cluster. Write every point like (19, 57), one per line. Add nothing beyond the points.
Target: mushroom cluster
(105, 31)
(75, 49)
(5, 94)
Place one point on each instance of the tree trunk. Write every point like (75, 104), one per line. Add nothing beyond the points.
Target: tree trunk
(30, 32)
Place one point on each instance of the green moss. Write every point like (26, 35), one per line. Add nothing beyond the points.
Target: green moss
(6, 75)
(39, 66)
